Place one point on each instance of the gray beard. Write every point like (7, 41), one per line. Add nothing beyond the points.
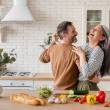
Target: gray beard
(74, 39)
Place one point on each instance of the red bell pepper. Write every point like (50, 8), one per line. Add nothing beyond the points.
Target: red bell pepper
(100, 96)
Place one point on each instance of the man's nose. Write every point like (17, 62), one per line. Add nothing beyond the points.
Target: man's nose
(76, 33)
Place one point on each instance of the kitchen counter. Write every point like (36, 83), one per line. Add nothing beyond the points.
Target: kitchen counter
(40, 77)
(35, 77)
(5, 104)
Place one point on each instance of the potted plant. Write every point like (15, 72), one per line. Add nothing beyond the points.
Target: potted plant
(6, 58)
(47, 41)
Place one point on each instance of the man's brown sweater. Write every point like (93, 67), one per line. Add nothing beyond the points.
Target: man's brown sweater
(64, 68)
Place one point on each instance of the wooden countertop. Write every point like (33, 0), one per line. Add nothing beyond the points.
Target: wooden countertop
(40, 77)
(35, 77)
(5, 104)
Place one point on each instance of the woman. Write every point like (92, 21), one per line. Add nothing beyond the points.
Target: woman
(94, 59)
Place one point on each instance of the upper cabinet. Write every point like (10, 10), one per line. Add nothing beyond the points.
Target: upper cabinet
(94, 14)
(94, 17)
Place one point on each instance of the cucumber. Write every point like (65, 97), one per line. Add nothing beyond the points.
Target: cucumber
(72, 96)
(78, 92)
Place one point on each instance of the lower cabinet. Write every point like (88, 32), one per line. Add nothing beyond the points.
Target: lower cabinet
(25, 84)
(35, 84)
(17, 84)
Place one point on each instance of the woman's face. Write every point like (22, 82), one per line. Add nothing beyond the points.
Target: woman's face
(96, 34)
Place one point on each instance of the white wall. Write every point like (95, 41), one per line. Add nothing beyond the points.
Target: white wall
(26, 37)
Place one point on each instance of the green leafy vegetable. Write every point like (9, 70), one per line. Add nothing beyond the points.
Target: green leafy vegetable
(44, 92)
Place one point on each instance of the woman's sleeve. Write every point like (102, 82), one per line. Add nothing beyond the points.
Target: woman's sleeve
(93, 63)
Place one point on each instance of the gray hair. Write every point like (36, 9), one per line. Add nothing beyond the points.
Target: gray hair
(105, 45)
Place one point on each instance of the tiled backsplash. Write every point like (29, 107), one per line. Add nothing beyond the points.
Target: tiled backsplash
(26, 37)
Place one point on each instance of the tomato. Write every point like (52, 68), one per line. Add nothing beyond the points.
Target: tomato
(77, 99)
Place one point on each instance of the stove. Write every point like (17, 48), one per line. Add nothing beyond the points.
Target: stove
(27, 74)
(16, 84)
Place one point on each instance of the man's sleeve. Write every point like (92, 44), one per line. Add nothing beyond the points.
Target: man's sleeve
(76, 60)
(45, 56)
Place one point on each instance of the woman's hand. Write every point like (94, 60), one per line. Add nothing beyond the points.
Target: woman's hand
(79, 51)
(95, 79)
(78, 63)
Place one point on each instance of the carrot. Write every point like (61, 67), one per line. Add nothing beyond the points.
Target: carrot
(107, 104)
(82, 100)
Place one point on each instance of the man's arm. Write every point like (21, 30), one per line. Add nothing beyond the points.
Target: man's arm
(45, 57)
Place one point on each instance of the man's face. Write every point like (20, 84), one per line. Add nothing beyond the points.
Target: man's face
(71, 33)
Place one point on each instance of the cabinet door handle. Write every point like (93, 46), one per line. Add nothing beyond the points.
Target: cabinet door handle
(11, 83)
(22, 84)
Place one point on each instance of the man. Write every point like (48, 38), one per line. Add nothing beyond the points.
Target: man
(62, 58)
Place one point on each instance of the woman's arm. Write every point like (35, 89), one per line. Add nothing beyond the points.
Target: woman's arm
(93, 64)
(89, 67)
(95, 79)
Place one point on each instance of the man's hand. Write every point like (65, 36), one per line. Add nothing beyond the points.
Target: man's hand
(55, 38)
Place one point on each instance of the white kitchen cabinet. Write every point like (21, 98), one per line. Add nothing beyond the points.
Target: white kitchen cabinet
(26, 84)
(17, 84)
(93, 15)
(104, 85)
(41, 83)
